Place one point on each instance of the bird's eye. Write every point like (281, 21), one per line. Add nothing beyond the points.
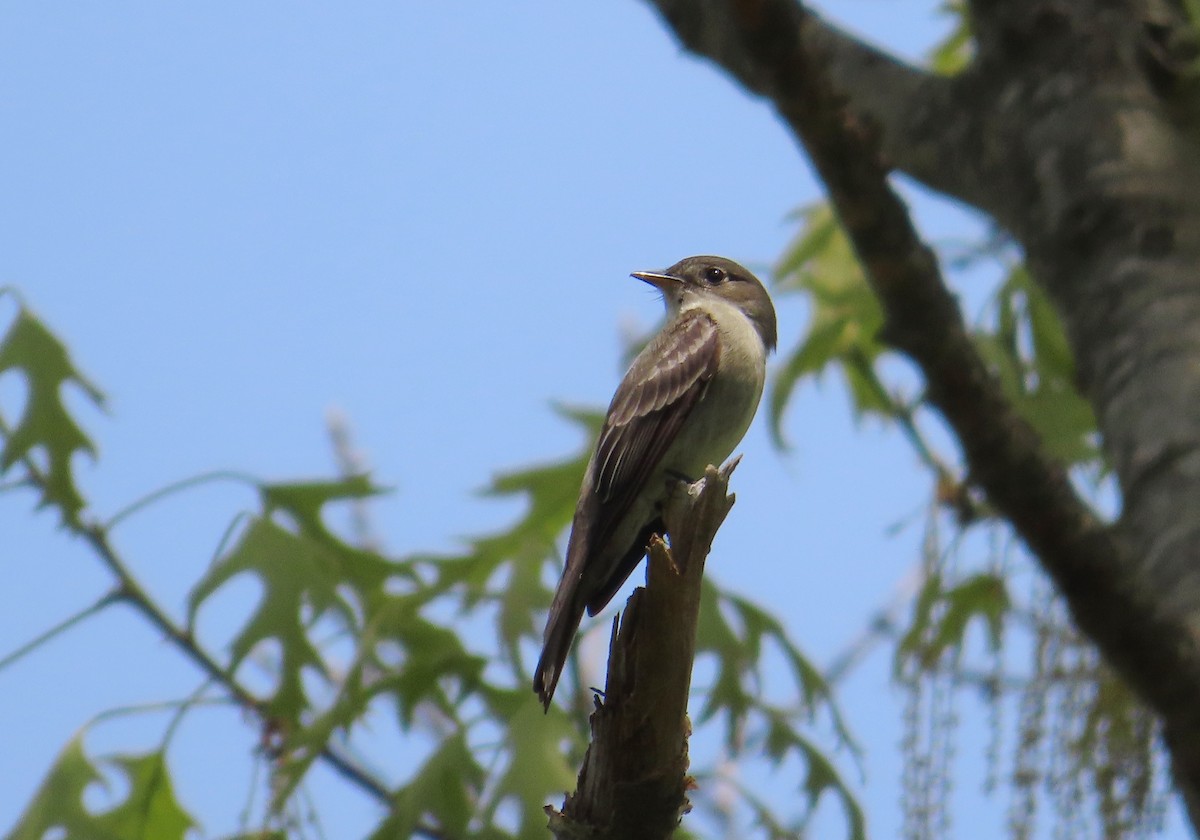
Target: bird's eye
(714, 275)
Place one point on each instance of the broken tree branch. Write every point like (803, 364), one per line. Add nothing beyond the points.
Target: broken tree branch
(634, 781)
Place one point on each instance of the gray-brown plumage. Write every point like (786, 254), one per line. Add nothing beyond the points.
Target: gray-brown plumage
(685, 403)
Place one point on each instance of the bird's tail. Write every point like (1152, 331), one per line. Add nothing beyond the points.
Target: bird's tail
(560, 633)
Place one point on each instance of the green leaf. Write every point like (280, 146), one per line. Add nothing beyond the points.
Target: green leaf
(307, 574)
(434, 660)
(912, 643)
(846, 317)
(820, 775)
(46, 423)
(304, 502)
(434, 669)
(58, 804)
(982, 596)
(1029, 353)
(1001, 362)
(810, 357)
(522, 599)
(150, 811)
(867, 392)
(737, 689)
(537, 769)
(941, 616)
(813, 690)
(1050, 345)
(443, 791)
(551, 491)
(1064, 420)
(952, 54)
(299, 574)
(714, 634)
(819, 231)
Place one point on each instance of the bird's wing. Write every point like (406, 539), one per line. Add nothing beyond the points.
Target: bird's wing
(662, 386)
(654, 399)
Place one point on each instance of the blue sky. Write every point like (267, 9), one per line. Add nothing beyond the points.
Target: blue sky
(240, 216)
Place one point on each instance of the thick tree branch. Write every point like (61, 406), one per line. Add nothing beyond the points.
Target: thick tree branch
(633, 783)
(926, 128)
(1093, 235)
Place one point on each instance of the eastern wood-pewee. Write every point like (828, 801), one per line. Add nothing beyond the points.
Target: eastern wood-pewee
(685, 403)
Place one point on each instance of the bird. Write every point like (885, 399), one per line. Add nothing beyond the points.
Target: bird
(685, 402)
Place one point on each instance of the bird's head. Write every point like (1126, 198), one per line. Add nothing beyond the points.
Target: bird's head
(697, 278)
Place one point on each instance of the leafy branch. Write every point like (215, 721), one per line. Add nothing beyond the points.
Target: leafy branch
(493, 748)
(47, 425)
(131, 592)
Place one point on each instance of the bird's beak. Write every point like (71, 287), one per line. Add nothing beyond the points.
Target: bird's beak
(659, 281)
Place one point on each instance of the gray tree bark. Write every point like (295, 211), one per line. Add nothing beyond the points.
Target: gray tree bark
(1074, 128)
(633, 783)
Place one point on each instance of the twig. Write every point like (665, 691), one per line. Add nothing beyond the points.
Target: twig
(33, 644)
(175, 487)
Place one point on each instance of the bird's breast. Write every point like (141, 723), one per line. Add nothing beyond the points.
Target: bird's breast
(721, 418)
